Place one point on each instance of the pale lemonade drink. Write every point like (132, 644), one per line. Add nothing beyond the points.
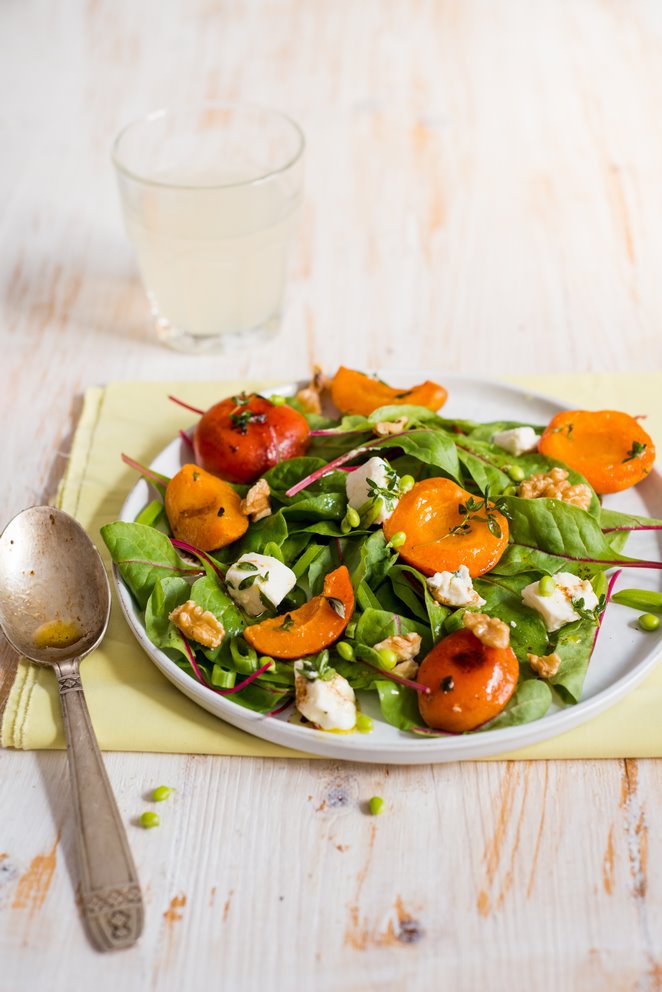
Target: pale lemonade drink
(211, 199)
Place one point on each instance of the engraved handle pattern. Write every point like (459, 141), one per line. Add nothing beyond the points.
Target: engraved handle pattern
(111, 897)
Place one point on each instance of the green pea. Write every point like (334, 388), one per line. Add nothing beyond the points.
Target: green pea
(162, 792)
(277, 400)
(376, 805)
(388, 658)
(516, 473)
(148, 819)
(510, 491)
(266, 660)
(406, 483)
(398, 539)
(363, 723)
(273, 550)
(649, 622)
(353, 517)
(546, 586)
(345, 650)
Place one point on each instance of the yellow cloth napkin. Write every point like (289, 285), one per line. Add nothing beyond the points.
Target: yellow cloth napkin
(134, 708)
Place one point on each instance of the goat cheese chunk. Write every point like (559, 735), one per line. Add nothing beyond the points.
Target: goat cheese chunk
(517, 440)
(330, 703)
(557, 610)
(256, 582)
(374, 480)
(454, 588)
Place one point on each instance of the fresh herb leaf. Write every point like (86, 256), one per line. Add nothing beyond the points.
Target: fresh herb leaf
(240, 421)
(636, 451)
(337, 606)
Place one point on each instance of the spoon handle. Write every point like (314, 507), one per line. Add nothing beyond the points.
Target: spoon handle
(111, 897)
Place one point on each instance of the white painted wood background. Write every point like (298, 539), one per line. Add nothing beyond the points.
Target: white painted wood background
(484, 194)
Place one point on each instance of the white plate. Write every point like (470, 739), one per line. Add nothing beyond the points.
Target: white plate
(622, 658)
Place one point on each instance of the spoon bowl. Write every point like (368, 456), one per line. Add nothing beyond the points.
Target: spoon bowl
(54, 609)
(50, 575)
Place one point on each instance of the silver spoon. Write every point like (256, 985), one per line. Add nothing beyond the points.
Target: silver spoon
(54, 609)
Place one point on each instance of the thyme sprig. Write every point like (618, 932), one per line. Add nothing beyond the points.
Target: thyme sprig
(636, 451)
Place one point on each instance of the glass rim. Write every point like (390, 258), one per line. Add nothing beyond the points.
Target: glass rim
(162, 112)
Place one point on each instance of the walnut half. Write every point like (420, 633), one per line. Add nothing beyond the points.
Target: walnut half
(257, 504)
(545, 665)
(387, 427)
(490, 631)
(198, 624)
(310, 396)
(405, 646)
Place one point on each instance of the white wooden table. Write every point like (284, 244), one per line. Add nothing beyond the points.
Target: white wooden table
(484, 193)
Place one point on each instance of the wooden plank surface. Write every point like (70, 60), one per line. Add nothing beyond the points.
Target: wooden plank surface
(483, 196)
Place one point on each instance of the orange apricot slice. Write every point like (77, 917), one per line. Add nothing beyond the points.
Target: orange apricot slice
(356, 392)
(311, 627)
(469, 682)
(203, 510)
(440, 536)
(609, 448)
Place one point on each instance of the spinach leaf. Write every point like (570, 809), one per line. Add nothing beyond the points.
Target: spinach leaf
(142, 555)
(319, 506)
(398, 704)
(484, 474)
(368, 558)
(287, 473)
(272, 528)
(573, 644)
(531, 700)
(376, 625)
(431, 447)
(415, 415)
(503, 599)
(167, 594)
(434, 612)
(209, 595)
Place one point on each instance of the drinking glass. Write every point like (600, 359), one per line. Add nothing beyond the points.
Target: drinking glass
(211, 197)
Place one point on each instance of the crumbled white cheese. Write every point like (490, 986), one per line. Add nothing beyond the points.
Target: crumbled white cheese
(557, 609)
(454, 588)
(255, 581)
(379, 472)
(517, 440)
(330, 703)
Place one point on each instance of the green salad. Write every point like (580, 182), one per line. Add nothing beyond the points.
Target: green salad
(433, 522)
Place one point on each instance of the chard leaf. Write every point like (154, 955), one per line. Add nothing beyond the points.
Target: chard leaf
(557, 528)
(143, 555)
(614, 518)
